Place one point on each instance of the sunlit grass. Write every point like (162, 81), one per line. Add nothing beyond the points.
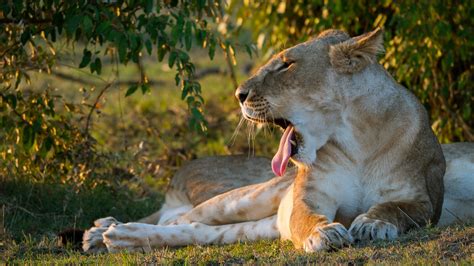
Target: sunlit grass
(424, 246)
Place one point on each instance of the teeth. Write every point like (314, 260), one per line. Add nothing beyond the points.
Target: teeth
(293, 142)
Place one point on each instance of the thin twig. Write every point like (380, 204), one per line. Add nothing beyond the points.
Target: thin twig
(413, 221)
(22, 209)
(228, 59)
(15, 111)
(25, 21)
(91, 83)
(89, 116)
(2, 222)
(455, 216)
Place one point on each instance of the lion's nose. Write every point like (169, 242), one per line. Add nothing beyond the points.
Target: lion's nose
(241, 95)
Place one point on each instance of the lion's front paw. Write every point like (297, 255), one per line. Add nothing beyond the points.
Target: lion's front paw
(129, 237)
(365, 228)
(92, 240)
(327, 237)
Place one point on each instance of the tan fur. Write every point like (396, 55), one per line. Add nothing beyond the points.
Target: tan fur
(368, 164)
(355, 54)
(356, 123)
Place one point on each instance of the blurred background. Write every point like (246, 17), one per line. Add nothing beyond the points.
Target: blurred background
(101, 102)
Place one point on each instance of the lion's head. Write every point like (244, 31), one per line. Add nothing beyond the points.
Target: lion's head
(303, 89)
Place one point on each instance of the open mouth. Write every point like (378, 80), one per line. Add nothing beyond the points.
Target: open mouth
(295, 137)
(289, 142)
(288, 146)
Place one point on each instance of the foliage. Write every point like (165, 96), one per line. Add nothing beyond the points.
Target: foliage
(126, 28)
(429, 46)
(38, 126)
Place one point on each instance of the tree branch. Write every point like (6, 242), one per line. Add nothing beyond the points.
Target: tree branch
(228, 60)
(89, 116)
(26, 21)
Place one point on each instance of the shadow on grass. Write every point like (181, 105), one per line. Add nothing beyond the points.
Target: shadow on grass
(35, 212)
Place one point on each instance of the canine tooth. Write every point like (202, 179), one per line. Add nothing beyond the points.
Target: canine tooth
(293, 142)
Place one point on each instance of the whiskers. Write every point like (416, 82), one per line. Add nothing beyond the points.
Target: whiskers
(251, 138)
(236, 131)
(251, 134)
(259, 124)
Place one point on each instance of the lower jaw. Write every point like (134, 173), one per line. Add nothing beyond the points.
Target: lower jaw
(296, 160)
(300, 161)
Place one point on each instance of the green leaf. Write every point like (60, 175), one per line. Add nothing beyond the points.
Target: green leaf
(177, 30)
(122, 47)
(200, 36)
(161, 51)
(197, 120)
(172, 58)
(149, 47)
(249, 50)
(46, 147)
(467, 112)
(196, 113)
(184, 92)
(104, 28)
(6, 9)
(87, 25)
(197, 87)
(148, 6)
(96, 66)
(58, 21)
(28, 137)
(212, 47)
(131, 90)
(86, 58)
(72, 24)
(177, 79)
(145, 88)
(188, 35)
(184, 57)
(37, 124)
(25, 36)
(11, 100)
(201, 4)
(190, 100)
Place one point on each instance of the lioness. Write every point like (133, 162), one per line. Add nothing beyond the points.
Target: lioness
(368, 165)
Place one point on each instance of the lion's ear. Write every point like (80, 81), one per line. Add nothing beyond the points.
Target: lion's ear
(355, 54)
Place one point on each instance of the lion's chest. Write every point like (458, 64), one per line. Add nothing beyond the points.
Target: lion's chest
(356, 193)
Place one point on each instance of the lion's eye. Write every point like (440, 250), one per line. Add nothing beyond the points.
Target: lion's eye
(284, 66)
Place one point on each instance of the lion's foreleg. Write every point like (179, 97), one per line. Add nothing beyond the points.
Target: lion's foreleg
(144, 237)
(388, 220)
(248, 203)
(314, 209)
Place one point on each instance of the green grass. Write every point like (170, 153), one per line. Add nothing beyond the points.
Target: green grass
(424, 246)
(148, 137)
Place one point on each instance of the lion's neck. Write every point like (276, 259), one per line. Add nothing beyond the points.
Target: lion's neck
(373, 119)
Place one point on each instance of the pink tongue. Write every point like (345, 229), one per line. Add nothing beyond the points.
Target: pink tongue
(281, 158)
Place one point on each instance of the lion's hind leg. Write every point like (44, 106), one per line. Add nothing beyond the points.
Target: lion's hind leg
(145, 237)
(176, 204)
(458, 205)
(249, 203)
